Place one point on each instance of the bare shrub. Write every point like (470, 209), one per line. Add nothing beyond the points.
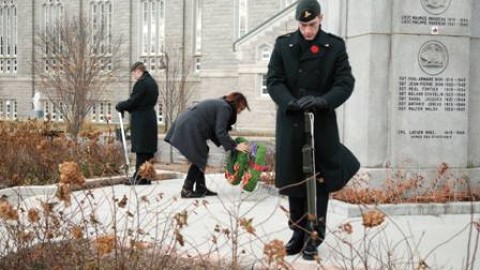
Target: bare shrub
(67, 232)
(32, 151)
(414, 188)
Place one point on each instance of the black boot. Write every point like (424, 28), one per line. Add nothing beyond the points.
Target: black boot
(187, 189)
(201, 187)
(296, 243)
(312, 242)
(206, 192)
(310, 252)
(188, 193)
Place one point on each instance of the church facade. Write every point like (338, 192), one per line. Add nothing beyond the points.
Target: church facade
(222, 46)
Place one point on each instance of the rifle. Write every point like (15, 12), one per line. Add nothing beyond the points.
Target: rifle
(309, 171)
(124, 142)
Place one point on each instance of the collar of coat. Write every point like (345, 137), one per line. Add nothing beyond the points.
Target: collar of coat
(144, 75)
(322, 40)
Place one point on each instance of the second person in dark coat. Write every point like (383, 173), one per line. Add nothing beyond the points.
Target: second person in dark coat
(141, 106)
(207, 120)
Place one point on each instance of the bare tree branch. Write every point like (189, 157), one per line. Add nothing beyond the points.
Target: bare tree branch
(76, 62)
(175, 88)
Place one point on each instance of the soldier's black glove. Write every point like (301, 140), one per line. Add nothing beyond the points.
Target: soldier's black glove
(293, 106)
(310, 102)
(117, 107)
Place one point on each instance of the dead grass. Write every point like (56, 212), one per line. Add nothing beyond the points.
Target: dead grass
(79, 254)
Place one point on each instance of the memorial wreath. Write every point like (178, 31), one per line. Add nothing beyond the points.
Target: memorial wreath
(246, 168)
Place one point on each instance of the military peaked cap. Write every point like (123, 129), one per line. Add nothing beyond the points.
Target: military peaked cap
(307, 10)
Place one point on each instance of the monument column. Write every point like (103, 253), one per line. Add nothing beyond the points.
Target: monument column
(474, 95)
(430, 78)
(413, 61)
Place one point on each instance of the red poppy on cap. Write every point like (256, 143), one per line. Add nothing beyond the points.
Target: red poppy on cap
(314, 49)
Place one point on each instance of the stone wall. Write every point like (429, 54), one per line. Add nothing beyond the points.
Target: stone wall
(474, 93)
(416, 96)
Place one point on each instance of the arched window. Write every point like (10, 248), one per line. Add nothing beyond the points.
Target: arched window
(152, 29)
(8, 37)
(53, 16)
(101, 20)
(198, 28)
(264, 52)
(52, 20)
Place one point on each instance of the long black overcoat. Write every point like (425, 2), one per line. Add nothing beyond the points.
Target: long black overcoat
(206, 120)
(143, 121)
(322, 70)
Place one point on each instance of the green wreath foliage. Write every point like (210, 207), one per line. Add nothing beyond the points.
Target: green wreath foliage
(237, 163)
(246, 168)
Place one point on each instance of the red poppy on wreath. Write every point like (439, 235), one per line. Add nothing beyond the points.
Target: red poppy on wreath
(314, 49)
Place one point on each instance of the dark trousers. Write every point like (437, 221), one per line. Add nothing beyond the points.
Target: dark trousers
(299, 212)
(141, 158)
(195, 176)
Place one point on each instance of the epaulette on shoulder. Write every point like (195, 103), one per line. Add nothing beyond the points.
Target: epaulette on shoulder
(287, 35)
(335, 37)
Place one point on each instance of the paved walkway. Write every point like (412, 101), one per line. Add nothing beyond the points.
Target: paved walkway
(153, 212)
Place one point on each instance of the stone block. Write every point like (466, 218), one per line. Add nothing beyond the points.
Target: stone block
(444, 17)
(368, 16)
(429, 86)
(475, 19)
(366, 112)
(473, 105)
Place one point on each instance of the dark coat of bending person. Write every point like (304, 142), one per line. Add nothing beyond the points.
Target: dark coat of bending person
(143, 121)
(309, 71)
(211, 119)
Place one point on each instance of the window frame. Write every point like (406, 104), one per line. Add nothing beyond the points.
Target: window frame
(262, 85)
(151, 33)
(8, 37)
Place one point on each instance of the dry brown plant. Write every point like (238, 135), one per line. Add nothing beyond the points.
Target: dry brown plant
(32, 151)
(372, 218)
(147, 171)
(54, 238)
(48, 235)
(445, 187)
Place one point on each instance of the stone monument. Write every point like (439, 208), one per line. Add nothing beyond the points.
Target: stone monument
(416, 99)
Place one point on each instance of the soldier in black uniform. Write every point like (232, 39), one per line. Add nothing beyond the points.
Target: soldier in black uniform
(309, 71)
(141, 106)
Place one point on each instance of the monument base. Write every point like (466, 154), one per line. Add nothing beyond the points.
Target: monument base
(460, 179)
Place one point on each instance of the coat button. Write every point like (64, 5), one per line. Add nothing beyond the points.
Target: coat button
(300, 70)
